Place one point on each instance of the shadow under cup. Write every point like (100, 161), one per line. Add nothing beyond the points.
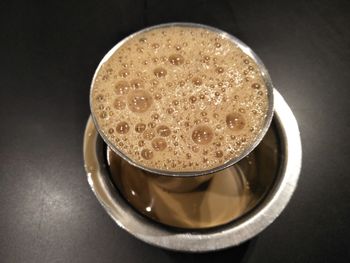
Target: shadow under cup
(200, 201)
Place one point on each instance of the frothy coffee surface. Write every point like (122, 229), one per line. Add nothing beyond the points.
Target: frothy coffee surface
(180, 99)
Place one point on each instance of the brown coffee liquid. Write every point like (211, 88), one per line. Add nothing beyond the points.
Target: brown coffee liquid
(180, 99)
(201, 201)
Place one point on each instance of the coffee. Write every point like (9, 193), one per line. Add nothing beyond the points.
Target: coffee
(180, 99)
(200, 201)
(185, 202)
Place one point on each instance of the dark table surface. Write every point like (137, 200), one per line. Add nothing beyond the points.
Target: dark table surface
(49, 52)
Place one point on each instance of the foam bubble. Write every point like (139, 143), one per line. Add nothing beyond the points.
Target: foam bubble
(197, 81)
(193, 99)
(119, 104)
(160, 72)
(219, 70)
(202, 134)
(155, 116)
(159, 144)
(157, 96)
(124, 73)
(100, 98)
(256, 86)
(103, 115)
(154, 82)
(122, 127)
(235, 121)
(181, 83)
(151, 124)
(136, 83)
(147, 154)
(163, 130)
(139, 101)
(195, 148)
(140, 127)
(176, 59)
(219, 154)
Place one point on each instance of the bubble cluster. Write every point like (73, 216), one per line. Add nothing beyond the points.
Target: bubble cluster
(148, 135)
(180, 99)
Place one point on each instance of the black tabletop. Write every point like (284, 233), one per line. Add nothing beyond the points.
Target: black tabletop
(49, 51)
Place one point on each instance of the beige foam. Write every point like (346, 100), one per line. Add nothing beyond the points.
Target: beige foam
(180, 99)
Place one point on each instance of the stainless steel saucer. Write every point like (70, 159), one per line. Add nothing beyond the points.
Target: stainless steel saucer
(231, 234)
